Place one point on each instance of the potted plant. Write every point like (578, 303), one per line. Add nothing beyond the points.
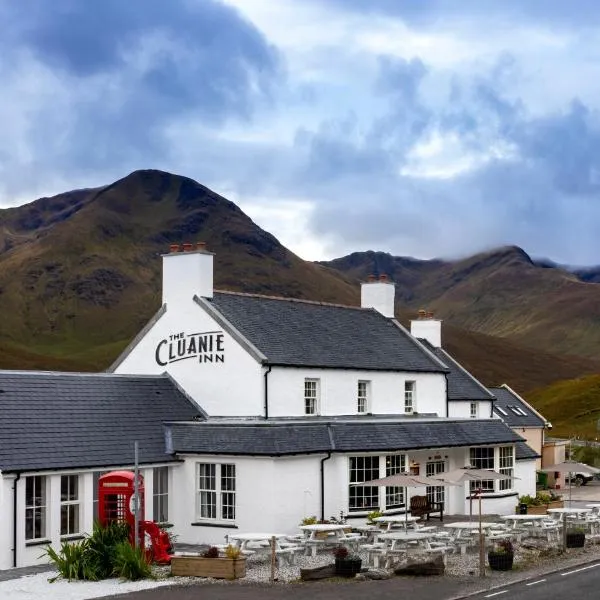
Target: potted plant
(211, 564)
(575, 538)
(346, 565)
(372, 516)
(501, 557)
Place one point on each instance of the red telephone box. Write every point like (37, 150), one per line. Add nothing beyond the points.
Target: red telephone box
(116, 499)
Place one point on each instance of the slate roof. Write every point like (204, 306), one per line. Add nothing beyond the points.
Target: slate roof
(461, 384)
(71, 420)
(280, 438)
(311, 334)
(508, 406)
(525, 452)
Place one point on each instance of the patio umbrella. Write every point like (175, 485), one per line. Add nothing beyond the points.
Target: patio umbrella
(571, 466)
(463, 475)
(404, 480)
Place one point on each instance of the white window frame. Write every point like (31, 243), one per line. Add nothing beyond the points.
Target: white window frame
(312, 396)
(70, 511)
(364, 467)
(473, 406)
(36, 511)
(363, 397)
(410, 392)
(479, 457)
(220, 492)
(160, 494)
(506, 466)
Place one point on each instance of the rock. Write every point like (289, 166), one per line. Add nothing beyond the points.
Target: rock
(429, 568)
(376, 574)
(318, 573)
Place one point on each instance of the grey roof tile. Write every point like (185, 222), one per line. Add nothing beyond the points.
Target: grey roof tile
(508, 406)
(461, 384)
(284, 438)
(310, 334)
(525, 452)
(71, 420)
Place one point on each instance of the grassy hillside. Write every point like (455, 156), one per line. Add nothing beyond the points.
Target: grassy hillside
(502, 293)
(572, 406)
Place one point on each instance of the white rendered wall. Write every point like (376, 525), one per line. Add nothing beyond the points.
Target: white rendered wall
(186, 274)
(461, 409)
(228, 388)
(6, 520)
(378, 295)
(525, 470)
(338, 391)
(428, 329)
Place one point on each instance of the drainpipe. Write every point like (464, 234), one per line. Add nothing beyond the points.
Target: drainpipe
(15, 518)
(332, 446)
(447, 401)
(266, 373)
(323, 484)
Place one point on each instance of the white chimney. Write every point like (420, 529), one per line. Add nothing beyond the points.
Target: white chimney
(427, 328)
(187, 272)
(378, 294)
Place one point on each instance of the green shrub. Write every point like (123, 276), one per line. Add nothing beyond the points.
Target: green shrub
(309, 520)
(69, 560)
(373, 515)
(130, 563)
(102, 545)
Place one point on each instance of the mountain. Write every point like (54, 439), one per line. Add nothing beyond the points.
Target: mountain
(571, 406)
(80, 274)
(502, 292)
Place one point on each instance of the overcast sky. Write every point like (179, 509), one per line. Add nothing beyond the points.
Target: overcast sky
(429, 128)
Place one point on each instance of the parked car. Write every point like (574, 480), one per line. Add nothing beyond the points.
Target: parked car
(580, 478)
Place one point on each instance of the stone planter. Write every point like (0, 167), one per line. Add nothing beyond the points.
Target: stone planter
(557, 504)
(575, 540)
(500, 561)
(199, 566)
(347, 567)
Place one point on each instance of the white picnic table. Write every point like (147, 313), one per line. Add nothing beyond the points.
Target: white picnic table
(462, 526)
(338, 535)
(402, 520)
(244, 539)
(516, 518)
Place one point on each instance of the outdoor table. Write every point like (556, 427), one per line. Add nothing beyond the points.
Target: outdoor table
(402, 520)
(536, 520)
(336, 531)
(246, 538)
(565, 512)
(403, 536)
(462, 527)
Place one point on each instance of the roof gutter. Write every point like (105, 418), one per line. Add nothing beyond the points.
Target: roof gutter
(15, 489)
(266, 389)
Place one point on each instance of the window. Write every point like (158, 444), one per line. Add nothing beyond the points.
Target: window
(435, 493)
(502, 411)
(311, 396)
(363, 468)
(367, 468)
(35, 507)
(482, 458)
(69, 504)
(394, 495)
(506, 464)
(409, 396)
(363, 397)
(160, 494)
(215, 496)
(473, 410)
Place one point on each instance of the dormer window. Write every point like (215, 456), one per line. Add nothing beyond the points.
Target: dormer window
(362, 397)
(410, 388)
(473, 410)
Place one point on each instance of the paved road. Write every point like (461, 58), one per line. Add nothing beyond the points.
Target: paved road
(578, 582)
(436, 588)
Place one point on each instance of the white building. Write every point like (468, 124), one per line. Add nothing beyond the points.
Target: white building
(296, 401)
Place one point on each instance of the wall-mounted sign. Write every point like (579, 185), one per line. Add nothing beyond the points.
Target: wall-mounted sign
(206, 347)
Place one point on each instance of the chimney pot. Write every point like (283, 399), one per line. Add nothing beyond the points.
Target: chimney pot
(174, 247)
(422, 313)
(371, 278)
(383, 277)
(201, 246)
(429, 314)
(187, 247)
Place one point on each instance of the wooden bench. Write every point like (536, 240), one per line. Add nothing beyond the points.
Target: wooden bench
(420, 506)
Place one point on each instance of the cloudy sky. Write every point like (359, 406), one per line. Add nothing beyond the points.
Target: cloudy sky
(417, 127)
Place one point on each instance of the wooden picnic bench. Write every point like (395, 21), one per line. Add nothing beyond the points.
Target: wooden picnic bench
(421, 506)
